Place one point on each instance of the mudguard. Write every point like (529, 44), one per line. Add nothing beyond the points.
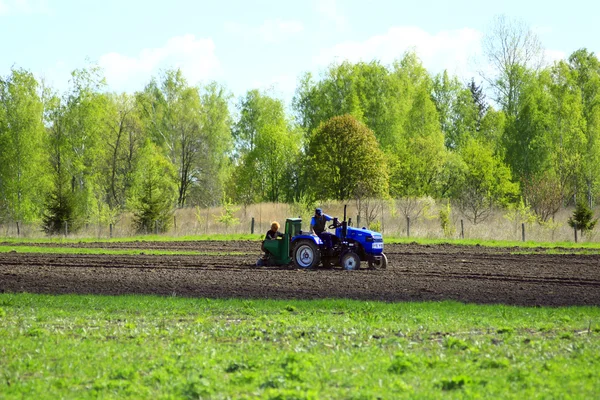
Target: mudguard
(317, 240)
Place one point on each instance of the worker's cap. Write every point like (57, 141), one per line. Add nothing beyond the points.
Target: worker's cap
(318, 211)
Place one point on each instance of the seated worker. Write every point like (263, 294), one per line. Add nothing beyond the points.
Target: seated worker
(272, 234)
(318, 224)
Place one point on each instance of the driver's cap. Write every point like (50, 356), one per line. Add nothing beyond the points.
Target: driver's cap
(318, 211)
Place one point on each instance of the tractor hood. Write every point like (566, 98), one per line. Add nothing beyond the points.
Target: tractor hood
(362, 234)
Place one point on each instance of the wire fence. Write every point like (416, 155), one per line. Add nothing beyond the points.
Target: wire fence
(392, 218)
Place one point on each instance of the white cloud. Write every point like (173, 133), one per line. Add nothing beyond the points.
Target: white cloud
(277, 31)
(281, 85)
(271, 31)
(195, 57)
(329, 10)
(551, 56)
(11, 7)
(451, 50)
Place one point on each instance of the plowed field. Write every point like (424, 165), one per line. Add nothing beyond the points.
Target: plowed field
(415, 273)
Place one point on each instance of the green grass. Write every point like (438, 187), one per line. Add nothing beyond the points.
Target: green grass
(80, 250)
(152, 347)
(256, 237)
(495, 243)
(143, 238)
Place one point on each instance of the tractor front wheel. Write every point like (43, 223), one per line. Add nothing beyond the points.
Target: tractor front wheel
(379, 264)
(306, 255)
(350, 261)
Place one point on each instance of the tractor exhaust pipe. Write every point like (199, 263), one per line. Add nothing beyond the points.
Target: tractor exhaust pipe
(344, 223)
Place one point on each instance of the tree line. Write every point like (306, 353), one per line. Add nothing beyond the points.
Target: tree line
(360, 130)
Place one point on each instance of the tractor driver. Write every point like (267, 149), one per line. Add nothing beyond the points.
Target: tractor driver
(318, 223)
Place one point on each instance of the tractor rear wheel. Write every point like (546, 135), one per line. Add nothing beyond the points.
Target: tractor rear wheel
(380, 264)
(350, 261)
(306, 254)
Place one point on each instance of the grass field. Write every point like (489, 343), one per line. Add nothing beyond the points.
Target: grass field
(230, 237)
(152, 347)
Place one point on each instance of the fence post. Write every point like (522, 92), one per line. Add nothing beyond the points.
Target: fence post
(66, 228)
(155, 227)
(175, 223)
(462, 229)
(382, 223)
(407, 226)
(575, 230)
(18, 229)
(110, 227)
(252, 226)
(523, 231)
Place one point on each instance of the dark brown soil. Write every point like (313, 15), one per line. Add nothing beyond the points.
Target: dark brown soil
(415, 273)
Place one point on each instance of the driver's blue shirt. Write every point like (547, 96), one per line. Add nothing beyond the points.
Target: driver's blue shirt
(313, 221)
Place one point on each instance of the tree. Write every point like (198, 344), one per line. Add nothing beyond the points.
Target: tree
(583, 218)
(188, 123)
(266, 149)
(418, 158)
(512, 49)
(585, 72)
(544, 194)
(343, 155)
(479, 100)
(60, 204)
(486, 183)
(154, 190)
(22, 177)
(123, 138)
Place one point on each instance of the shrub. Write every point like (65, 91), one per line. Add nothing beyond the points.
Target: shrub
(447, 226)
(583, 218)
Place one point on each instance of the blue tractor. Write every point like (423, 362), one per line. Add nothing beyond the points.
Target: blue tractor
(346, 248)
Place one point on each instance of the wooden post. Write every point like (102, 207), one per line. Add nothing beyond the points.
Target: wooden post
(175, 223)
(462, 229)
(358, 221)
(382, 223)
(252, 226)
(407, 226)
(110, 228)
(155, 227)
(523, 231)
(66, 228)
(18, 229)
(575, 230)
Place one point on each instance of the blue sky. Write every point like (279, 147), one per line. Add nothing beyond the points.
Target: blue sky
(264, 43)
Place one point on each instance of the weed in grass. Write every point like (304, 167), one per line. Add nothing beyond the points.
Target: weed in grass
(503, 331)
(401, 364)
(455, 343)
(454, 383)
(500, 363)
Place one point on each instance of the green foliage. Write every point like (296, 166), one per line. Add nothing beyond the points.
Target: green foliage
(132, 346)
(191, 124)
(23, 181)
(344, 156)
(583, 218)
(227, 216)
(267, 146)
(375, 226)
(486, 182)
(153, 193)
(520, 213)
(446, 222)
